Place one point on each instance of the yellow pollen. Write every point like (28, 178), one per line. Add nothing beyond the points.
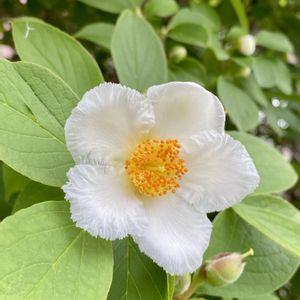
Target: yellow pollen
(155, 167)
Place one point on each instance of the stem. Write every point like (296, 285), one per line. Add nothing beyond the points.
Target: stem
(197, 280)
(250, 252)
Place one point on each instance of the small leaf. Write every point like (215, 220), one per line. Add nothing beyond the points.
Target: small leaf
(276, 174)
(44, 256)
(62, 54)
(137, 277)
(113, 6)
(266, 271)
(188, 69)
(254, 91)
(199, 15)
(274, 40)
(161, 8)
(264, 72)
(137, 53)
(192, 34)
(98, 33)
(240, 107)
(275, 218)
(283, 77)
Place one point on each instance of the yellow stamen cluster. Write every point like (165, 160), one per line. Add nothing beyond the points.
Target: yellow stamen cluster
(155, 167)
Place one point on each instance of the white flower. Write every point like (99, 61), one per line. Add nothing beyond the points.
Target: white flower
(152, 167)
(247, 44)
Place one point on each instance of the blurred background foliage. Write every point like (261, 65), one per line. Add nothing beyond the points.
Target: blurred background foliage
(203, 43)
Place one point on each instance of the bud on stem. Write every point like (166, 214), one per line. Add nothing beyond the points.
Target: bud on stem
(225, 268)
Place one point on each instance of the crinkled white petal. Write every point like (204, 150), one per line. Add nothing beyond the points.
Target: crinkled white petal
(221, 172)
(183, 109)
(177, 235)
(102, 203)
(107, 123)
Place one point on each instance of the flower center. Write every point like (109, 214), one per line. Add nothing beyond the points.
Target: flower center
(155, 167)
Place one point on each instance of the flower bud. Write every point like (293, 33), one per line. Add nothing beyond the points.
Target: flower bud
(225, 268)
(178, 53)
(247, 44)
(244, 72)
(6, 52)
(182, 283)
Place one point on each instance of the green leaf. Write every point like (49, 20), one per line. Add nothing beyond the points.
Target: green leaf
(275, 218)
(32, 141)
(274, 40)
(98, 33)
(13, 182)
(46, 45)
(136, 277)
(35, 193)
(276, 174)
(199, 16)
(137, 53)
(264, 72)
(239, 8)
(188, 69)
(254, 91)
(266, 271)
(161, 8)
(44, 256)
(240, 107)
(283, 77)
(192, 34)
(208, 15)
(113, 6)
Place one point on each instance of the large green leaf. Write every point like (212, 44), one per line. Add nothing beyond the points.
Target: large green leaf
(276, 174)
(240, 107)
(98, 33)
(113, 6)
(274, 40)
(137, 53)
(46, 45)
(266, 271)
(136, 277)
(275, 218)
(44, 256)
(35, 193)
(34, 104)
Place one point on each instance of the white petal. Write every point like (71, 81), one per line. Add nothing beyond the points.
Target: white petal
(183, 109)
(107, 123)
(102, 203)
(177, 235)
(221, 172)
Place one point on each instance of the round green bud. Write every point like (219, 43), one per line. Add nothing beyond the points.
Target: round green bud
(177, 54)
(247, 44)
(225, 268)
